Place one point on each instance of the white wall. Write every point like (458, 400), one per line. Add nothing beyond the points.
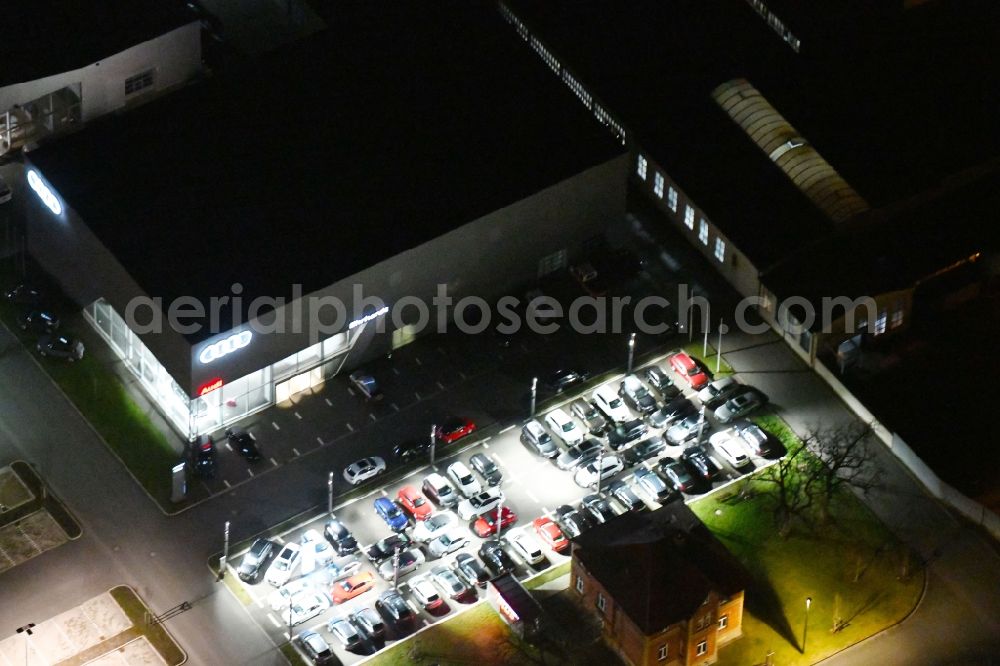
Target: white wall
(176, 57)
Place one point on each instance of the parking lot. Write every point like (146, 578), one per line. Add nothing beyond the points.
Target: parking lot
(532, 487)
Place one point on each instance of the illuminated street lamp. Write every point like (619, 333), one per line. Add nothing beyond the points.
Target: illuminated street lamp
(805, 627)
(631, 353)
(27, 631)
(534, 394)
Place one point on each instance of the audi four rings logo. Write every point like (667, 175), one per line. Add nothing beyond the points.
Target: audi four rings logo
(217, 350)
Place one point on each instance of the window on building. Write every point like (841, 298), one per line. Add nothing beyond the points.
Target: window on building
(880, 322)
(701, 648)
(897, 315)
(672, 199)
(602, 603)
(689, 217)
(640, 167)
(661, 654)
(658, 184)
(703, 231)
(141, 81)
(720, 250)
(579, 584)
(723, 622)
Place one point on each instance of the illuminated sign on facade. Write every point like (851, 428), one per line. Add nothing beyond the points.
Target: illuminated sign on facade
(211, 386)
(47, 196)
(368, 317)
(217, 350)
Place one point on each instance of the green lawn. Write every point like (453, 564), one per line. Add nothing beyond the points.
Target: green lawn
(102, 398)
(136, 610)
(850, 568)
(694, 350)
(546, 576)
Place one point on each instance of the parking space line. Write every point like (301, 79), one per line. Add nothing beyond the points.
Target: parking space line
(278, 538)
(485, 445)
(395, 370)
(418, 395)
(274, 462)
(228, 485)
(298, 416)
(508, 428)
(349, 426)
(546, 512)
(276, 426)
(274, 621)
(395, 406)
(250, 471)
(320, 440)
(252, 436)
(229, 447)
(440, 385)
(328, 403)
(531, 496)
(462, 375)
(296, 452)
(417, 359)
(372, 417)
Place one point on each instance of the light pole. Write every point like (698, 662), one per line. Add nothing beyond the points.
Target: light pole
(704, 349)
(805, 627)
(718, 350)
(534, 394)
(329, 494)
(290, 616)
(433, 442)
(600, 467)
(701, 424)
(225, 551)
(631, 353)
(27, 631)
(395, 567)
(499, 515)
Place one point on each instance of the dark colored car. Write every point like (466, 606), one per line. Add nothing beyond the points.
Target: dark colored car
(203, 456)
(486, 468)
(580, 454)
(495, 557)
(410, 450)
(253, 562)
(366, 385)
(60, 346)
(677, 408)
(38, 321)
(698, 460)
(625, 496)
(394, 608)
(562, 379)
(340, 537)
(644, 450)
(471, 570)
(454, 429)
(676, 475)
(637, 395)
(623, 433)
(383, 549)
(23, 294)
(243, 442)
(316, 648)
(572, 521)
(661, 381)
(598, 508)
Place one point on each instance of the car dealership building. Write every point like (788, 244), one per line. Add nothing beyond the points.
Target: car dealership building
(355, 159)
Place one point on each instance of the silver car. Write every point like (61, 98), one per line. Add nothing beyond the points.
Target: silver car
(590, 415)
(364, 469)
(740, 405)
(754, 437)
(449, 583)
(685, 429)
(346, 633)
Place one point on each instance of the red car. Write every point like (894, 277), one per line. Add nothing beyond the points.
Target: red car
(486, 524)
(685, 366)
(454, 429)
(550, 533)
(414, 503)
(347, 589)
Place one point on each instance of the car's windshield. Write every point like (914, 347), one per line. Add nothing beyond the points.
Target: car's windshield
(615, 404)
(568, 426)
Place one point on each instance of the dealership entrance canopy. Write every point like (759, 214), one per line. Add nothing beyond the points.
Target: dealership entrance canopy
(409, 146)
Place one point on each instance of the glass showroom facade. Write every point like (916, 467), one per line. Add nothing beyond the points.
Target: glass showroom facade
(233, 400)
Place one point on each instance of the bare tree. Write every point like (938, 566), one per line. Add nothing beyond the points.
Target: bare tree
(789, 480)
(845, 458)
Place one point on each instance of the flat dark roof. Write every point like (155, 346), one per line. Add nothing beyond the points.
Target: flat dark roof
(893, 112)
(46, 37)
(402, 122)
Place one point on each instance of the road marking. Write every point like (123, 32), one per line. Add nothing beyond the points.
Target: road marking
(531, 496)
(274, 620)
(440, 385)
(296, 452)
(499, 460)
(508, 428)
(252, 436)
(228, 485)
(441, 351)
(298, 416)
(328, 403)
(250, 471)
(279, 539)
(396, 370)
(417, 359)
(462, 375)
(485, 445)
(395, 406)
(320, 440)
(276, 426)
(545, 511)
(229, 447)
(418, 396)
(274, 462)
(372, 417)
(349, 426)
(349, 390)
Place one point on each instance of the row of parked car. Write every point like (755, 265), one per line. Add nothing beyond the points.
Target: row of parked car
(35, 317)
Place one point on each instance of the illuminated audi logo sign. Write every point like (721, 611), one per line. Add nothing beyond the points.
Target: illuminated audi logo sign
(217, 350)
(47, 196)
